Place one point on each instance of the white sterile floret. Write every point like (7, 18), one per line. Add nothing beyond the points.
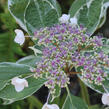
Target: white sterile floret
(64, 18)
(52, 106)
(20, 38)
(105, 99)
(73, 21)
(19, 83)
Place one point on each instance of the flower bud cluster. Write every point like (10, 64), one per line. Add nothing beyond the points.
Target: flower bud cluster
(66, 47)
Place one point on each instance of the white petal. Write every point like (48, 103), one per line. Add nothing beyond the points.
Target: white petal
(25, 83)
(73, 21)
(44, 106)
(19, 83)
(13, 81)
(105, 99)
(64, 19)
(55, 106)
(19, 88)
(20, 38)
(52, 106)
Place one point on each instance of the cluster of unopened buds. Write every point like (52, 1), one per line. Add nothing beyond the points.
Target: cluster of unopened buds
(67, 46)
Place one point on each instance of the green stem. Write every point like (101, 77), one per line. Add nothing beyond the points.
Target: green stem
(69, 96)
(84, 92)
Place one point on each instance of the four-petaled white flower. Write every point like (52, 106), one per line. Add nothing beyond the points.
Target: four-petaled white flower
(105, 99)
(50, 106)
(64, 19)
(73, 21)
(19, 83)
(20, 38)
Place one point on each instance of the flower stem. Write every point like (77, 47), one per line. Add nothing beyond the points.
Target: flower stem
(29, 76)
(69, 96)
(105, 88)
(84, 92)
(48, 97)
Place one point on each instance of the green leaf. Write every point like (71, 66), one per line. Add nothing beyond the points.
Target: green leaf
(10, 70)
(103, 14)
(40, 13)
(76, 6)
(77, 102)
(3, 84)
(90, 13)
(9, 92)
(29, 60)
(94, 14)
(7, 102)
(57, 6)
(17, 9)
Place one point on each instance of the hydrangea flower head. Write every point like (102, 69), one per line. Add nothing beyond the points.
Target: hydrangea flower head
(66, 47)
